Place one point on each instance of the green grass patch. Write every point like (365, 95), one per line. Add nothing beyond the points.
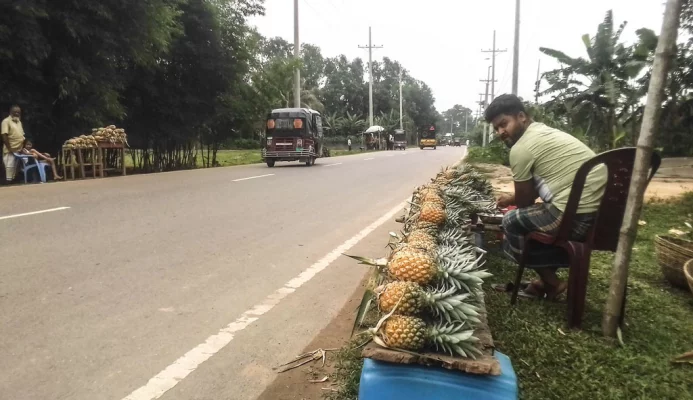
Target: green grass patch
(584, 364)
(553, 362)
(342, 152)
(228, 158)
(347, 373)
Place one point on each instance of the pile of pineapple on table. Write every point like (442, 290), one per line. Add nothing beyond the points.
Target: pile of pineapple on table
(94, 144)
(110, 134)
(428, 291)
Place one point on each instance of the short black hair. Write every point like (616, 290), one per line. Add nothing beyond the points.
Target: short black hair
(15, 106)
(507, 104)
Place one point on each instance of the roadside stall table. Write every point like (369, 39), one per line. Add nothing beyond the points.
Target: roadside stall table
(112, 156)
(75, 157)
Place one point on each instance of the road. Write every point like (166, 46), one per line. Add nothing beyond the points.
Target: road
(190, 284)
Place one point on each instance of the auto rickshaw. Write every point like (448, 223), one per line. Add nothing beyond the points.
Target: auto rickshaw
(400, 139)
(457, 142)
(293, 134)
(427, 138)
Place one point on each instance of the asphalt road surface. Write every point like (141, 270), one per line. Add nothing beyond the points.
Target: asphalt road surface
(191, 284)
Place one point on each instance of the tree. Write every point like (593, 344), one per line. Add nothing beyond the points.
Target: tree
(67, 62)
(600, 89)
(662, 62)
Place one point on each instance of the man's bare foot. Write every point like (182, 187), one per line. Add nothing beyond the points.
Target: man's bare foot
(536, 288)
(552, 292)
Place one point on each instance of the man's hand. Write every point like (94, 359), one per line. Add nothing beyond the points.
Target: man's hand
(505, 200)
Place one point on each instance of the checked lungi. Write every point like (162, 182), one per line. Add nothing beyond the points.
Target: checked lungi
(544, 218)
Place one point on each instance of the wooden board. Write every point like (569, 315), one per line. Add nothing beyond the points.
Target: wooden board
(485, 364)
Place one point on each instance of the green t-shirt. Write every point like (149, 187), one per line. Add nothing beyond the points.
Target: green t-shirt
(552, 157)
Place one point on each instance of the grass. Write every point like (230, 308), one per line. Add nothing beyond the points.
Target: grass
(553, 362)
(582, 364)
(228, 158)
(348, 364)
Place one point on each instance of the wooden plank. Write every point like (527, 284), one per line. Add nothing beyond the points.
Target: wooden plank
(486, 364)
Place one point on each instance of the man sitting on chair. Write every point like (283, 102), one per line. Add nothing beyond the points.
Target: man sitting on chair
(543, 161)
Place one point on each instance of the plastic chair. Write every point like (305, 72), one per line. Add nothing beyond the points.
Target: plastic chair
(604, 233)
(26, 166)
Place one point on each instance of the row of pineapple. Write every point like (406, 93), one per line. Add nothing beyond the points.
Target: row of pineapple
(109, 134)
(428, 290)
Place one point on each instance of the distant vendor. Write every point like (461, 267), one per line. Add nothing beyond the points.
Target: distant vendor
(543, 161)
(12, 134)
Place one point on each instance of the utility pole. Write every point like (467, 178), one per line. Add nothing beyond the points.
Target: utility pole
(537, 82)
(370, 48)
(516, 47)
(297, 55)
(481, 107)
(401, 124)
(487, 80)
(493, 52)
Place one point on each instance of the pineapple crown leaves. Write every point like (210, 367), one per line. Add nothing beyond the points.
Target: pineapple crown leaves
(379, 263)
(451, 305)
(363, 308)
(453, 338)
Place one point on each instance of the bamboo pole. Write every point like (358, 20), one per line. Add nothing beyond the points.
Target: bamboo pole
(666, 47)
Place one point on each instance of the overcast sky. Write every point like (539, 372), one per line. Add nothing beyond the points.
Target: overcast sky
(440, 41)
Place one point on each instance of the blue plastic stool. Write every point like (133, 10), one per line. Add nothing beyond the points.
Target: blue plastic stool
(388, 381)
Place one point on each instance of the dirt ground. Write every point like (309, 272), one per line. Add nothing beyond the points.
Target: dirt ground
(296, 384)
(670, 181)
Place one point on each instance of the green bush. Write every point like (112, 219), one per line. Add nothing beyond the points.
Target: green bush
(244, 144)
(495, 153)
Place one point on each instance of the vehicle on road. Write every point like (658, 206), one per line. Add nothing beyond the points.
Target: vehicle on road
(427, 138)
(457, 142)
(293, 134)
(400, 139)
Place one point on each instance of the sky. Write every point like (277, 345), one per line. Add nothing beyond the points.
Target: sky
(440, 41)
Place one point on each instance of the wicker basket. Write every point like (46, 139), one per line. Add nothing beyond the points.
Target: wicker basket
(688, 271)
(672, 254)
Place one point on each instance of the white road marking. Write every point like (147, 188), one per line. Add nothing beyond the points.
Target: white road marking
(182, 367)
(368, 159)
(332, 165)
(251, 177)
(34, 213)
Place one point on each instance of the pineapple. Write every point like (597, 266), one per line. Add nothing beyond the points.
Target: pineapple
(422, 239)
(412, 265)
(428, 227)
(408, 298)
(448, 267)
(433, 199)
(411, 333)
(432, 213)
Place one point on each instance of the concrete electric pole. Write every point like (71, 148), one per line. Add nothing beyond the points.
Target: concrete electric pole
(493, 52)
(297, 55)
(370, 48)
(516, 48)
(486, 102)
(537, 82)
(401, 123)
